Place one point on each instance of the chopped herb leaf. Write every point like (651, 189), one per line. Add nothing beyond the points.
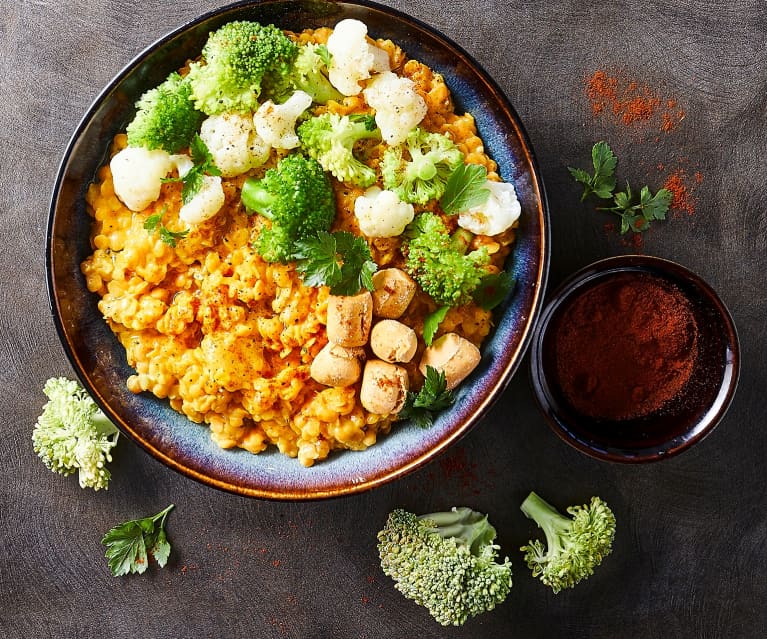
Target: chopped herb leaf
(433, 396)
(431, 323)
(493, 289)
(131, 543)
(465, 188)
(339, 260)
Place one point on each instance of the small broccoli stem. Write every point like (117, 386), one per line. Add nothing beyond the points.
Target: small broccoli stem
(467, 526)
(421, 167)
(256, 198)
(553, 523)
(461, 240)
(102, 424)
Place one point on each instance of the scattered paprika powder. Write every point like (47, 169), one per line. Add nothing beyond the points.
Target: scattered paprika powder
(625, 347)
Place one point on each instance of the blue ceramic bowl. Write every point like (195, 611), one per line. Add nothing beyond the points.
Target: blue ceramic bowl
(99, 360)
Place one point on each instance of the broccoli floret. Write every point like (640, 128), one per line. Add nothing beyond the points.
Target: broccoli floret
(307, 74)
(439, 262)
(298, 199)
(237, 58)
(417, 170)
(445, 562)
(574, 545)
(330, 138)
(72, 434)
(165, 118)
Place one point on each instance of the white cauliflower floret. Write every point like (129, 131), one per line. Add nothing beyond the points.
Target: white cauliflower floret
(398, 106)
(353, 57)
(382, 213)
(276, 123)
(233, 143)
(183, 163)
(137, 175)
(206, 202)
(497, 214)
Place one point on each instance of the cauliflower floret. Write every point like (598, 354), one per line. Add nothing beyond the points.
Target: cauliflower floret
(183, 163)
(381, 213)
(276, 123)
(353, 57)
(497, 214)
(398, 106)
(137, 175)
(233, 142)
(206, 203)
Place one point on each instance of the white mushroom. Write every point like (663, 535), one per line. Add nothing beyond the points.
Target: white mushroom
(393, 341)
(384, 387)
(337, 366)
(452, 354)
(394, 290)
(349, 319)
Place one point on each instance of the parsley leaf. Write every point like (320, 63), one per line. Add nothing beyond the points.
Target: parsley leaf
(465, 188)
(340, 260)
(493, 289)
(203, 165)
(433, 396)
(431, 323)
(602, 182)
(636, 213)
(131, 543)
(154, 223)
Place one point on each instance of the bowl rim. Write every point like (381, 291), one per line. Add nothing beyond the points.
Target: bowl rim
(661, 267)
(394, 472)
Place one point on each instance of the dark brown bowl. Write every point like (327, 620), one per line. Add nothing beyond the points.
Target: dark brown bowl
(99, 360)
(680, 422)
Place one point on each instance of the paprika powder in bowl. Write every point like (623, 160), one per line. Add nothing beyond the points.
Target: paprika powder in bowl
(635, 359)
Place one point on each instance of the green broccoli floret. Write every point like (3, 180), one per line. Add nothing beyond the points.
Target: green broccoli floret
(72, 434)
(574, 545)
(165, 117)
(417, 170)
(330, 138)
(236, 59)
(445, 562)
(439, 262)
(298, 199)
(307, 74)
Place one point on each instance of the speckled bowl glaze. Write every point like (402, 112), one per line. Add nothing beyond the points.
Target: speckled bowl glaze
(684, 420)
(99, 360)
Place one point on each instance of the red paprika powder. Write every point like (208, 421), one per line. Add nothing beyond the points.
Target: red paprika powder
(625, 347)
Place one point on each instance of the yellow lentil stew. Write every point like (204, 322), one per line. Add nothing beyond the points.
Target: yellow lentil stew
(229, 338)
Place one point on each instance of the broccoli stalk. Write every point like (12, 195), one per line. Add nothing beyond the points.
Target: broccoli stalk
(297, 198)
(330, 139)
(440, 263)
(418, 169)
(445, 562)
(165, 118)
(72, 434)
(236, 59)
(575, 545)
(307, 74)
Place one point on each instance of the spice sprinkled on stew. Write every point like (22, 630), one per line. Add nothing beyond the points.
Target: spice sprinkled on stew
(626, 347)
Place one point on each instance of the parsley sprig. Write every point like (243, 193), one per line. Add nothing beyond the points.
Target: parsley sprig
(154, 224)
(131, 543)
(340, 260)
(636, 210)
(465, 188)
(433, 396)
(203, 165)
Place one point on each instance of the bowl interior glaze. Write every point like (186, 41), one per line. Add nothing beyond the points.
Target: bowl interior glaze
(99, 360)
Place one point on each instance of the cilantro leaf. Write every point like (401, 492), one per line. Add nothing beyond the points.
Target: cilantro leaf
(340, 260)
(431, 323)
(602, 182)
(130, 543)
(433, 396)
(465, 188)
(493, 289)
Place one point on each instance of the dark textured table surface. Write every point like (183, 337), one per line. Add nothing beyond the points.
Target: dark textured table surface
(689, 558)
